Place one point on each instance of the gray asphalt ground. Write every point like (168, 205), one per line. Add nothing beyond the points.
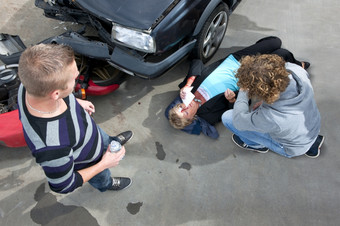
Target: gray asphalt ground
(182, 179)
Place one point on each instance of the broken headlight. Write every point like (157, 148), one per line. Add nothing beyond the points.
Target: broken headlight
(50, 2)
(135, 39)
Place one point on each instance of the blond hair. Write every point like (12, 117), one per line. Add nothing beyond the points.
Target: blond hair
(42, 68)
(176, 121)
(264, 76)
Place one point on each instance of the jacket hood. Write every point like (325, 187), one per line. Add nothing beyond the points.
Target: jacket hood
(140, 14)
(293, 99)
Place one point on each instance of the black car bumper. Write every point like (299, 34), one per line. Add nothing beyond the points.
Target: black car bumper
(120, 58)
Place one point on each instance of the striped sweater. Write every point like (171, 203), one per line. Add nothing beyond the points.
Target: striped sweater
(62, 145)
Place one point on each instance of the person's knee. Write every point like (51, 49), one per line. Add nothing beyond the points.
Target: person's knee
(227, 118)
(273, 39)
(276, 41)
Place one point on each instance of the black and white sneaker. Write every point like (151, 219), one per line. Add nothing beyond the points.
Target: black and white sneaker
(237, 140)
(314, 151)
(124, 137)
(120, 183)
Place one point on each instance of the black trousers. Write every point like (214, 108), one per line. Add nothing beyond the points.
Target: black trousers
(268, 45)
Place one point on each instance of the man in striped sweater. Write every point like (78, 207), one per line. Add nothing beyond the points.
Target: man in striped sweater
(59, 130)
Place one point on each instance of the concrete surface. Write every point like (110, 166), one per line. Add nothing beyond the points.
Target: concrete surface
(181, 179)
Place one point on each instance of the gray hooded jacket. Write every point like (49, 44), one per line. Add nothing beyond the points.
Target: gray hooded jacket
(293, 120)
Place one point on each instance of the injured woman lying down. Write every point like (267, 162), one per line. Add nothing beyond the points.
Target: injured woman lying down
(203, 99)
(207, 92)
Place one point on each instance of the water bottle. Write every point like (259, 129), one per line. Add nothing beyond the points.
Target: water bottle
(115, 146)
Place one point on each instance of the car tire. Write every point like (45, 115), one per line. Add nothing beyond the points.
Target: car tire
(101, 73)
(211, 36)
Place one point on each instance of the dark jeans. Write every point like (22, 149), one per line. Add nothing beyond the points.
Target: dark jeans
(102, 181)
(268, 45)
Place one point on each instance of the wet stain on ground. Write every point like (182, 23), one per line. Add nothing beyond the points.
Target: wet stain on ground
(160, 151)
(185, 165)
(134, 208)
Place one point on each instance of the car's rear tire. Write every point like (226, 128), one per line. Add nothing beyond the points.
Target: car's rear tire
(211, 36)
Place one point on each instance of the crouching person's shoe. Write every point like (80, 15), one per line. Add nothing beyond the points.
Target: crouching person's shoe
(120, 183)
(314, 151)
(124, 137)
(237, 140)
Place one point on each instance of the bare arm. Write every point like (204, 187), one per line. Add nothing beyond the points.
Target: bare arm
(109, 160)
(87, 105)
(190, 80)
(183, 91)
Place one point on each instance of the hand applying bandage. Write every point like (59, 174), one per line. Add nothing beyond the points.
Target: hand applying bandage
(230, 95)
(185, 92)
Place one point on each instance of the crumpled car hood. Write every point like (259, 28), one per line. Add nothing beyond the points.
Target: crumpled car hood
(139, 14)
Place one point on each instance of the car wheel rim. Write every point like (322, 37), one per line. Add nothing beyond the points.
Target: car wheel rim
(215, 34)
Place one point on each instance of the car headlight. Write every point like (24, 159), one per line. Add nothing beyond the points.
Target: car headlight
(135, 39)
(50, 2)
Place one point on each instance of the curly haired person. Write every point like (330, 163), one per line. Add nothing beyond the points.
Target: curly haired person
(285, 119)
(215, 88)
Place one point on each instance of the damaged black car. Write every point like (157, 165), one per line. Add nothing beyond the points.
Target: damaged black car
(143, 38)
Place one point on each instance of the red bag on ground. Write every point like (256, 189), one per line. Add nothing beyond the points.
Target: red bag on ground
(11, 132)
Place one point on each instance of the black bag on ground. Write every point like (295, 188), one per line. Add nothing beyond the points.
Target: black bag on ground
(11, 48)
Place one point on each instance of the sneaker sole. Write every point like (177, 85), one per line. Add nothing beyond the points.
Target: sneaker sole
(249, 149)
(319, 149)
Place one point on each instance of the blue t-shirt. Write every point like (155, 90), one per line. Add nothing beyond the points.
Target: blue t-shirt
(222, 78)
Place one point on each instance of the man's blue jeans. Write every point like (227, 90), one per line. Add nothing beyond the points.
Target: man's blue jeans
(252, 138)
(102, 181)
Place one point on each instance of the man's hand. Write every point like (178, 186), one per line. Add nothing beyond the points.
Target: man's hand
(230, 95)
(110, 160)
(87, 105)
